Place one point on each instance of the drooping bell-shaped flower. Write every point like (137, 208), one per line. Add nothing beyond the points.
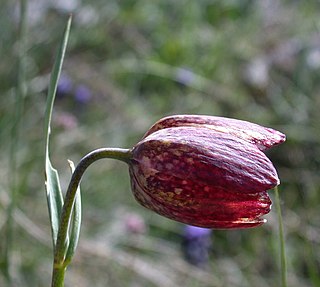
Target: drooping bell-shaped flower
(205, 171)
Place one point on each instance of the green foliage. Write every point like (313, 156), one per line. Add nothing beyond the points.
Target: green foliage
(54, 198)
(54, 194)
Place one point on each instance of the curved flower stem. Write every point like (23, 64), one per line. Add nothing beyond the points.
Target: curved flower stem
(60, 265)
(282, 242)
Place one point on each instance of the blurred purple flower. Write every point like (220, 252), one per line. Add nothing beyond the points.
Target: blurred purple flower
(184, 76)
(195, 231)
(196, 245)
(65, 85)
(82, 94)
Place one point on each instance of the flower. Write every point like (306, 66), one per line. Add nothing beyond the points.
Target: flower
(184, 76)
(196, 244)
(65, 85)
(205, 171)
(191, 232)
(135, 224)
(82, 94)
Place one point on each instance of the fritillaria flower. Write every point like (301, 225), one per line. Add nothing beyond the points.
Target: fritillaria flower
(205, 171)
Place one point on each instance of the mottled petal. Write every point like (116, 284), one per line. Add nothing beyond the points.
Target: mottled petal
(262, 137)
(206, 156)
(199, 205)
(205, 171)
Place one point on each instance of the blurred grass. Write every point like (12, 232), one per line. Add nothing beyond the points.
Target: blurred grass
(141, 60)
(16, 119)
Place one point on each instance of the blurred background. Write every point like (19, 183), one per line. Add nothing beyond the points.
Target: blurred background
(128, 64)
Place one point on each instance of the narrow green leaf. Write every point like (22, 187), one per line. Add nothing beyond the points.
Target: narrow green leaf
(54, 79)
(54, 194)
(74, 231)
(54, 198)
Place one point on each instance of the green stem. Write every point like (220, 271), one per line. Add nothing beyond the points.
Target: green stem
(282, 242)
(58, 275)
(59, 265)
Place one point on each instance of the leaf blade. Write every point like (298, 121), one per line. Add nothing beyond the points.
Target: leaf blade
(54, 78)
(52, 183)
(54, 198)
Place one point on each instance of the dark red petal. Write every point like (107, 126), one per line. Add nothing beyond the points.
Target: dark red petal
(261, 136)
(193, 203)
(206, 156)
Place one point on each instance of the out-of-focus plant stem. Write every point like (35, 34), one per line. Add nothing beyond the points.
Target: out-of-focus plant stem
(283, 260)
(21, 92)
(60, 262)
